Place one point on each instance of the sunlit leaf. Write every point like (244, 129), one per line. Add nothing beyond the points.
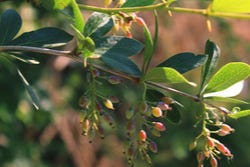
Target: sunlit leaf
(240, 114)
(232, 6)
(231, 91)
(166, 75)
(10, 24)
(184, 62)
(227, 76)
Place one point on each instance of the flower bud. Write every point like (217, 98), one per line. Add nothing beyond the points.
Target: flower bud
(114, 79)
(159, 126)
(153, 147)
(192, 145)
(129, 113)
(227, 128)
(210, 142)
(130, 128)
(164, 106)
(167, 100)
(107, 117)
(109, 104)
(85, 127)
(200, 157)
(223, 132)
(100, 131)
(114, 99)
(224, 150)
(83, 101)
(95, 73)
(156, 112)
(142, 135)
(213, 162)
(107, 3)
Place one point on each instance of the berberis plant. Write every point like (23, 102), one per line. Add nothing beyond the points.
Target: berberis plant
(120, 90)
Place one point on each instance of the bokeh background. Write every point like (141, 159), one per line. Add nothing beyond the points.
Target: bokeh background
(51, 137)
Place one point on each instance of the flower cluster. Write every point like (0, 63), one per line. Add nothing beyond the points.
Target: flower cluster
(210, 148)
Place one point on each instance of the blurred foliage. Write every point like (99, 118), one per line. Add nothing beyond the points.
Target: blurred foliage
(22, 127)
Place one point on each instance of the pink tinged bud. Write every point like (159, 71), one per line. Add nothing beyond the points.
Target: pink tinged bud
(164, 106)
(156, 112)
(108, 118)
(96, 73)
(109, 104)
(130, 127)
(213, 162)
(114, 79)
(142, 135)
(223, 132)
(224, 150)
(100, 131)
(129, 34)
(159, 126)
(227, 128)
(153, 147)
(200, 157)
(210, 142)
(83, 101)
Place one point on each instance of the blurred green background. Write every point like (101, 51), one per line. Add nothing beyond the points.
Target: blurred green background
(50, 137)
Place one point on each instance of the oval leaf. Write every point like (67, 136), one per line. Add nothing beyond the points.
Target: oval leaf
(240, 114)
(98, 25)
(231, 91)
(232, 6)
(166, 75)
(227, 76)
(44, 36)
(213, 53)
(184, 62)
(122, 63)
(10, 24)
(116, 45)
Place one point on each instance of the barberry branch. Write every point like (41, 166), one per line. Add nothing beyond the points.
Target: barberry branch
(69, 54)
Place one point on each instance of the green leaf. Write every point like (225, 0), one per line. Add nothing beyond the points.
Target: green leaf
(134, 3)
(240, 114)
(115, 45)
(184, 62)
(122, 63)
(55, 4)
(232, 6)
(213, 52)
(30, 91)
(166, 75)
(44, 36)
(98, 25)
(227, 76)
(10, 24)
(226, 99)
